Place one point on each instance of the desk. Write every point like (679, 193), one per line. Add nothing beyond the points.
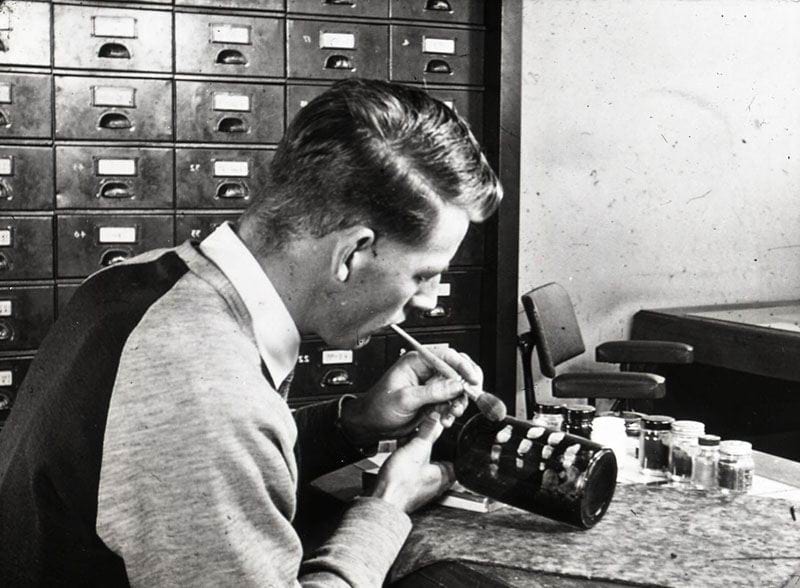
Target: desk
(745, 382)
(655, 536)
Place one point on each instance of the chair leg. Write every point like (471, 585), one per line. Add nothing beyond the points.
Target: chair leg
(525, 346)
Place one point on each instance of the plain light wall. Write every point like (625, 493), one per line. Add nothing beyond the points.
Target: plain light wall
(660, 151)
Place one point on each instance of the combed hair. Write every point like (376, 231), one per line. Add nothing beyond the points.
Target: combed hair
(374, 153)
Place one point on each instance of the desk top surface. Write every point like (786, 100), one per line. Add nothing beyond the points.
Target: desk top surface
(775, 315)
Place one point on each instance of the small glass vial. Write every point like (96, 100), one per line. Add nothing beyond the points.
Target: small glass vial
(579, 420)
(735, 471)
(682, 449)
(633, 430)
(609, 431)
(704, 465)
(654, 445)
(550, 416)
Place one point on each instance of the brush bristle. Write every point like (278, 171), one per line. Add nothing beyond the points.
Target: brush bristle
(491, 407)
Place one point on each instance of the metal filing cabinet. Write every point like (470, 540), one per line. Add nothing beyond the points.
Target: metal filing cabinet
(24, 33)
(220, 178)
(458, 302)
(12, 371)
(340, 8)
(26, 313)
(113, 109)
(436, 55)
(198, 226)
(64, 294)
(26, 106)
(87, 243)
(454, 11)
(463, 340)
(112, 38)
(26, 178)
(113, 177)
(26, 247)
(270, 5)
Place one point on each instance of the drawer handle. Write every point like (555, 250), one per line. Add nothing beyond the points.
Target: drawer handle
(4, 264)
(5, 121)
(339, 62)
(114, 51)
(438, 66)
(115, 190)
(340, 2)
(113, 256)
(5, 191)
(114, 121)
(232, 191)
(231, 57)
(5, 402)
(6, 332)
(337, 378)
(232, 124)
(438, 312)
(439, 5)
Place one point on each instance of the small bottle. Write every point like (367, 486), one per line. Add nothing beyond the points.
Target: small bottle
(579, 420)
(609, 431)
(682, 449)
(735, 471)
(550, 416)
(633, 430)
(654, 445)
(704, 465)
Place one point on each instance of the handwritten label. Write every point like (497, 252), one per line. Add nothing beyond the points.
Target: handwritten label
(5, 308)
(230, 34)
(337, 40)
(113, 96)
(6, 166)
(234, 102)
(433, 45)
(443, 289)
(5, 237)
(231, 169)
(114, 26)
(6, 378)
(116, 167)
(5, 21)
(337, 356)
(117, 235)
(5, 93)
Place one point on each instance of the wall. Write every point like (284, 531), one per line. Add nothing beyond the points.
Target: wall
(660, 152)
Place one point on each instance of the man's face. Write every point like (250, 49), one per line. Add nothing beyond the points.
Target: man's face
(388, 279)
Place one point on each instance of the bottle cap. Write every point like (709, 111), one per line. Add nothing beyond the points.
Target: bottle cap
(688, 427)
(657, 422)
(708, 440)
(735, 447)
(549, 408)
(580, 410)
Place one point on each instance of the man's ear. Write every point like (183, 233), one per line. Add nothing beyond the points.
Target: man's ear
(349, 242)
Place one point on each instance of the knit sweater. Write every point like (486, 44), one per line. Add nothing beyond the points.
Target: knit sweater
(149, 446)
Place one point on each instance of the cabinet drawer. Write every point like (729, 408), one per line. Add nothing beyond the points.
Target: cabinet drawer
(439, 56)
(322, 371)
(224, 44)
(12, 372)
(113, 177)
(466, 341)
(26, 178)
(114, 109)
(88, 243)
(297, 96)
(471, 250)
(335, 50)
(64, 293)
(340, 8)
(112, 38)
(458, 303)
(469, 106)
(25, 106)
(220, 178)
(276, 5)
(199, 226)
(26, 313)
(26, 247)
(229, 113)
(24, 33)
(466, 11)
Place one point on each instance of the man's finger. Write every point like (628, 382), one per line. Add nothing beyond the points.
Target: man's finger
(441, 475)
(430, 428)
(463, 364)
(435, 391)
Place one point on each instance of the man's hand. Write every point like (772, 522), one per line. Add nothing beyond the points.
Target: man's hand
(407, 392)
(407, 479)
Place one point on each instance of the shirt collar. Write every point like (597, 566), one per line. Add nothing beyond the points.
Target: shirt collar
(277, 337)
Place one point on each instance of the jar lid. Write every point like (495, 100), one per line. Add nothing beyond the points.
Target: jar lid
(608, 423)
(657, 422)
(580, 410)
(689, 427)
(708, 440)
(549, 408)
(736, 447)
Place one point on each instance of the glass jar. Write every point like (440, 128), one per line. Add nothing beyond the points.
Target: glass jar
(579, 420)
(610, 432)
(548, 472)
(682, 449)
(736, 467)
(704, 465)
(633, 430)
(550, 416)
(654, 445)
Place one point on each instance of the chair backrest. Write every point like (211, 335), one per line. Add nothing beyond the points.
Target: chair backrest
(554, 326)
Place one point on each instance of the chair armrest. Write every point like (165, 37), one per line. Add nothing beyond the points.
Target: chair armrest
(631, 385)
(644, 352)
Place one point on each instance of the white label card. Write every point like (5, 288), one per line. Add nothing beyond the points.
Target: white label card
(234, 102)
(450, 104)
(5, 237)
(114, 26)
(6, 166)
(337, 356)
(5, 21)
(5, 93)
(432, 45)
(116, 167)
(232, 169)
(113, 96)
(230, 34)
(6, 378)
(443, 289)
(117, 235)
(337, 40)
(5, 308)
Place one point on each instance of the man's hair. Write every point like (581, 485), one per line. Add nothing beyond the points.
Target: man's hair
(374, 153)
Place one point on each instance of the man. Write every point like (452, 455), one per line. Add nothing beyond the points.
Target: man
(151, 443)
